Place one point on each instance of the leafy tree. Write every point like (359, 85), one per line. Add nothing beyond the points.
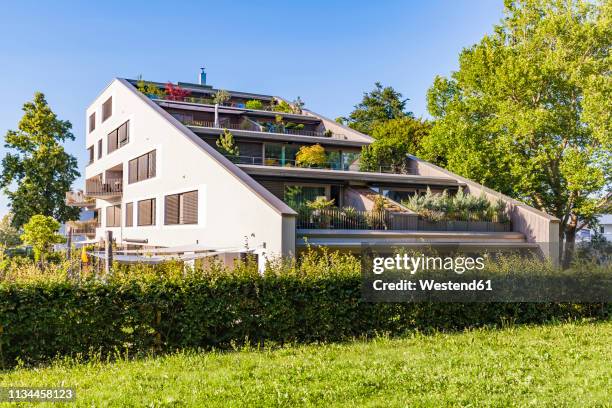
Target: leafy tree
(38, 172)
(226, 143)
(254, 104)
(9, 235)
(529, 110)
(379, 105)
(221, 97)
(311, 156)
(282, 106)
(41, 233)
(298, 105)
(393, 140)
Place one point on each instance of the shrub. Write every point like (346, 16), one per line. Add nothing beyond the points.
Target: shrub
(226, 143)
(311, 156)
(41, 233)
(254, 104)
(221, 97)
(144, 309)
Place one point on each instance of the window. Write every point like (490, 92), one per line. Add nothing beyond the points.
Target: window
(181, 208)
(113, 216)
(129, 214)
(146, 212)
(107, 109)
(92, 122)
(100, 149)
(142, 167)
(118, 137)
(90, 151)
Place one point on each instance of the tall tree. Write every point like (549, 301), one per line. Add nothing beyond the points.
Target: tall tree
(37, 171)
(393, 140)
(379, 105)
(528, 112)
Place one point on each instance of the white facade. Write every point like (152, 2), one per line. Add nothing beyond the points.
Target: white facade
(229, 209)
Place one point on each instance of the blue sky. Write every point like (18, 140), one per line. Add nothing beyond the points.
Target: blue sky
(327, 52)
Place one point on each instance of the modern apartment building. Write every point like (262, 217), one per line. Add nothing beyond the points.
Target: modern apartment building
(156, 176)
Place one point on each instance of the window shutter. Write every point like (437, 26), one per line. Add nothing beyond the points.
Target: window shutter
(152, 165)
(152, 220)
(143, 167)
(111, 141)
(107, 109)
(189, 204)
(92, 121)
(133, 171)
(146, 212)
(117, 216)
(129, 214)
(123, 134)
(109, 216)
(171, 209)
(99, 148)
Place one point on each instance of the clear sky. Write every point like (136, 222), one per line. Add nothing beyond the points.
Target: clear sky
(327, 52)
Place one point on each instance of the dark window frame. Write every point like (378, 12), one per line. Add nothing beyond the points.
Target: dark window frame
(90, 150)
(107, 109)
(116, 215)
(129, 214)
(140, 169)
(179, 214)
(92, 122)
(100, 149)
(152, 209)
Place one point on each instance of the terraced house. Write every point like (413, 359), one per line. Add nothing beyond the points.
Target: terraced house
(164, 171)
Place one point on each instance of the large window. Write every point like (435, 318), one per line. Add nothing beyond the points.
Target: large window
(118, 137)
(113, 216)
(107, 109)
(92, 121)
(142, 167)
(181, 208)
(297, 195)
(90, 152)
(146, 212)
(129, 214)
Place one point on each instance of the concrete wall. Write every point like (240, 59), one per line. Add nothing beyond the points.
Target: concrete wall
(231, 205)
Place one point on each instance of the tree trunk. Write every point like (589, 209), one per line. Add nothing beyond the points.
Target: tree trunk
(570, 239)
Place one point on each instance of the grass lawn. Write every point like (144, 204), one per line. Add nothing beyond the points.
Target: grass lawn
(558, 365)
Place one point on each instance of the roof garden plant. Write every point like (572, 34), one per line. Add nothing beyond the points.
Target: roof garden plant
(311, 156)
(149, 89)
(221, 97)
(226, 144)
(175, 92)
(254, 104)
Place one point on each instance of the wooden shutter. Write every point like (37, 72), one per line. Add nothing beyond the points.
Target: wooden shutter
(109, 216)
(189, 207)
(146, 212)
(133, 171)
(111, 141)
(107, 109)
(171, 209)
(129, 214)
(122, 134)
(152, 166)
(118, 215)
(143, 166)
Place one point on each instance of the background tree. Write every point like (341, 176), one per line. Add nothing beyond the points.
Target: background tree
(9, 235)
(528, 111)
(41, 233)
(379, 105)
(393, 140)
(37, 172)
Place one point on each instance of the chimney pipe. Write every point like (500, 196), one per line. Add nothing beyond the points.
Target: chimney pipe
(202, 77)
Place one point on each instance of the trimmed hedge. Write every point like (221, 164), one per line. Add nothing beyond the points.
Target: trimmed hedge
(42, 320)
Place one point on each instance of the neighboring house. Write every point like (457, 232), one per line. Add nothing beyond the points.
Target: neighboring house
(604, 229)
(158, 178)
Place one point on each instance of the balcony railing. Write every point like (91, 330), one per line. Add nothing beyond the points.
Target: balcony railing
(106, 188)
(82, 227)
(351, 219)
(276, 162)
(255, 127)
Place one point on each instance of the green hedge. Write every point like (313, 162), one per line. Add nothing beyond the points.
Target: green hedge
(42, 320)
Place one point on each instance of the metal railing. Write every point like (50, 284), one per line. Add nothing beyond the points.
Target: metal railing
(82, 227)
(256, 127)
(277, 162)
(351, 219)
(108, 187)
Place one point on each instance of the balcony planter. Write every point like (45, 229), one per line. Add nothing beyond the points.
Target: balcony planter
(479, 226)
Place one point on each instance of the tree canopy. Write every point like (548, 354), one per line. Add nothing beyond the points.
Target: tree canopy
(41, 233)
(381, 104)
(393, 140)
(529, 110)
(37, 171)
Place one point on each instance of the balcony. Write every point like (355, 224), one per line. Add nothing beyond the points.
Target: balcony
(78, 199)
(87, 228)
(252, 126)
(351, 219)
(107, 189)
